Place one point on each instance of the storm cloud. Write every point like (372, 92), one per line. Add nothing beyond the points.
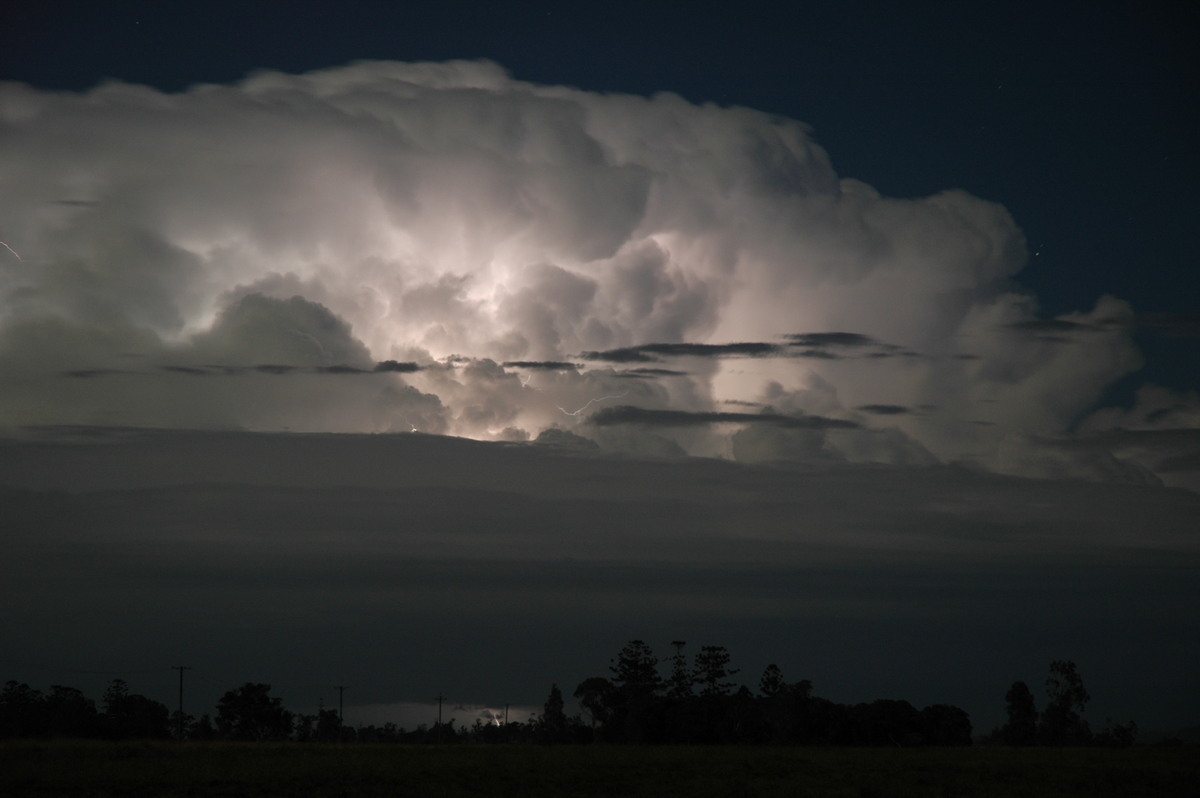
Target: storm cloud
(481, 233)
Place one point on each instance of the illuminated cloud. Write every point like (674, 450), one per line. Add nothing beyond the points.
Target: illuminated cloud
(450, 241)
(1160, 434)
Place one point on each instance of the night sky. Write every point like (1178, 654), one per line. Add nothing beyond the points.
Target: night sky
(445, 349)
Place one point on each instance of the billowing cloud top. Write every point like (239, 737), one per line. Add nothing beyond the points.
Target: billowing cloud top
(390, 246)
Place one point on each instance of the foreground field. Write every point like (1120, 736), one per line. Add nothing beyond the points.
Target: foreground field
(222, 769)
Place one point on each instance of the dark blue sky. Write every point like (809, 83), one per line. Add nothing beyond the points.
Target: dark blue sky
(1078, 117)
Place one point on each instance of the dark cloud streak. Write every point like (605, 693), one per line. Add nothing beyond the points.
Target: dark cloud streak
(818, 346)
(844, 339)
(398, 367)
(885, 410)
(87, 374)
(541, 365)
(628, 414)
(651, 353)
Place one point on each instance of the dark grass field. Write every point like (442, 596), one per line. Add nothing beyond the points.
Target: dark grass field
(68, 768)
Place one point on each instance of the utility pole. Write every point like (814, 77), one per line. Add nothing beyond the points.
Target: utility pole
(440, 698)
(181, 669)
(340, 689)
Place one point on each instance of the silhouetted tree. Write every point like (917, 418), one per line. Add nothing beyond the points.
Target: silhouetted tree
(329, 727)
(635, 672)
(1117, 736)
(825, 723)
(1021, 728)
(388, 733)
(741, 721)
(710, 713)
(680, 713)
(129, 716)
(181, 723)
(637, 713)
(21, 711)
(553, 724)
(712, 669)
(202, 729)
(943, 724)
(69, 713)
(680, 685)
(786, 708)
(771, 681)
(1062, 720)
(251, 713)
(304, 728)
(596, 695)
(883, 722)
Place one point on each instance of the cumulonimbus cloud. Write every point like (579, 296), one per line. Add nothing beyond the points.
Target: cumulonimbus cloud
(455, 240)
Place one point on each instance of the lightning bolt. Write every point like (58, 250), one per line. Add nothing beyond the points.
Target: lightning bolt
(591, 402)
(13, 251)
(529, 378)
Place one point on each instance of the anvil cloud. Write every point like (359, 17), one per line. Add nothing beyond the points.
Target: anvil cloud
(441, 247)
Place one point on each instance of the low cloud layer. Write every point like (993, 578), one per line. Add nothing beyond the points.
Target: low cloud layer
(441, 247)
(409, 566)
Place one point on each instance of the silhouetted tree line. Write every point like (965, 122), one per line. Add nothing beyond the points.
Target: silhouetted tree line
(696, 703)
(1061, 722)
(66, 712)
(248, 713)
(693, 702)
